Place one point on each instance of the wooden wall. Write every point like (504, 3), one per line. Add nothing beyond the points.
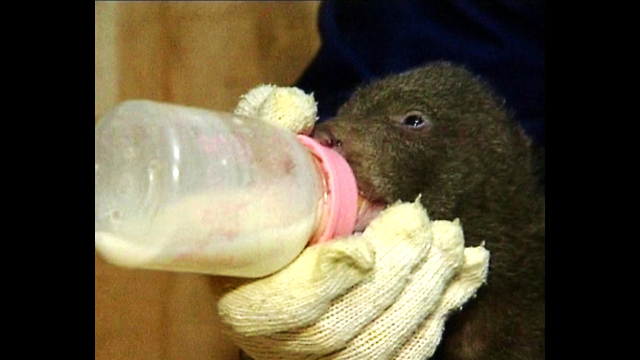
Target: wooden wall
(202, 54)
(199, 53)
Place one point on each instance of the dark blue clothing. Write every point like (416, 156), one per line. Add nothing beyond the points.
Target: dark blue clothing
(501, 41)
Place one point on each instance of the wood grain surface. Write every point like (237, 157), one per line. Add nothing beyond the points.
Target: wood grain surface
(203, 54)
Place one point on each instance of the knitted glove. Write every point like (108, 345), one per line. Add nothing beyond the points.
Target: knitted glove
(310, 310)
(286, 107)
(382, 294)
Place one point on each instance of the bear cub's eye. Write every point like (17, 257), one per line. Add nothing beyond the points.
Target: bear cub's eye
(414, 120)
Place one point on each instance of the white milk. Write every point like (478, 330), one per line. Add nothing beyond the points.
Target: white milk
(240, 233)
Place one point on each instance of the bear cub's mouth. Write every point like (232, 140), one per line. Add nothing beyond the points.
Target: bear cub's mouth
(367, 211)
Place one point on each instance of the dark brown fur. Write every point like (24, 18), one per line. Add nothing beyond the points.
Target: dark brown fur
(469, 162)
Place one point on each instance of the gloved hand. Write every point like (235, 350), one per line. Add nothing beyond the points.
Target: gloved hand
(382, 294)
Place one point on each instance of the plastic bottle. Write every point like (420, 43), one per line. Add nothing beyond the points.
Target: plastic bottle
(186, 189)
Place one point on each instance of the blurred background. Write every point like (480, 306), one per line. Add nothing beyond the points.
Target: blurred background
(200, 54)
(203, 54)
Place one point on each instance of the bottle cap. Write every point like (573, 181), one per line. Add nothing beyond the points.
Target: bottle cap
(341, 209)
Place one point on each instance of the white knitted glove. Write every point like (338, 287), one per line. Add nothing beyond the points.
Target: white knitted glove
(383, 294)
(311, 310)
(288, 107)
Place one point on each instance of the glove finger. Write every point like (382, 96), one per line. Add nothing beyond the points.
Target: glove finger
(448, 238)
(250, 102)
(300, 293)
(291, 108)
(472, 275)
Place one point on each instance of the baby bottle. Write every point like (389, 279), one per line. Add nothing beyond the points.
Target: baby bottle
(191, 190)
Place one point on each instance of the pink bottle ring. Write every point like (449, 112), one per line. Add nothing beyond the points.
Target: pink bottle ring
(341, 209)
